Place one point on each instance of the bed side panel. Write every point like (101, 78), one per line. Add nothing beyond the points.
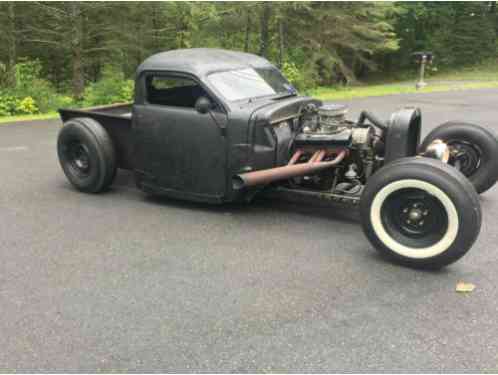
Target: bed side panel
(118, 127)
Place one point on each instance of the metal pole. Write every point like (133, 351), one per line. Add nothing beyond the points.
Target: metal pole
(421, 84)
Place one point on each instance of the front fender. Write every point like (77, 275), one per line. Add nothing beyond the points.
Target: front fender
(403, 134)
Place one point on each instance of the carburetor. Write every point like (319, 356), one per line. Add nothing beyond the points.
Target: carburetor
(327, 126)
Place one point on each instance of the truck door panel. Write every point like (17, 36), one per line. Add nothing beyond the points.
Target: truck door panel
(177, 147)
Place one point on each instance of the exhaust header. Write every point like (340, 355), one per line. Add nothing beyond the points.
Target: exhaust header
(267, 176)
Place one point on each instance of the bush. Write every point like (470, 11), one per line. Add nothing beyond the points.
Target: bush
(29, 84)
(26, 106)
(11, 105)
(63, 101)
(291, 72)
(26, 72)
(32, 94)
(8, 104)
(299, 78)
(112, 88)
(303, 78)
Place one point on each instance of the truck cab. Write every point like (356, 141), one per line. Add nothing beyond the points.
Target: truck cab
(199, 117)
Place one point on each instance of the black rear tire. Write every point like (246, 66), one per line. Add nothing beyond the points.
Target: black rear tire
(420, 212)
(474, 148)
(87, 155)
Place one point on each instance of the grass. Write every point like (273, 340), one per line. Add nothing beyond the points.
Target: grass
(475, 77)
(334, 93)
(43, 116)
(483, 72)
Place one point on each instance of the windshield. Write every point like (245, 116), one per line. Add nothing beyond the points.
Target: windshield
(250, 83)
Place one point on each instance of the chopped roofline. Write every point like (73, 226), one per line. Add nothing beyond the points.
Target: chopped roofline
(202, 61)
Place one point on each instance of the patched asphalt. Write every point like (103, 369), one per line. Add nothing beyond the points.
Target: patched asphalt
(120, 281)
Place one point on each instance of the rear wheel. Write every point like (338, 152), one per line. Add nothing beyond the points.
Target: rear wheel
(420, 212)
(473, 151)
(86, 154)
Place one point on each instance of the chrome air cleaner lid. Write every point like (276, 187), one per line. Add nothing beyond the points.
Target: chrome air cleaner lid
(332, 117)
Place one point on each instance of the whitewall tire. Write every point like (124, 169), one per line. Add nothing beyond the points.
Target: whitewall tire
(420, 212)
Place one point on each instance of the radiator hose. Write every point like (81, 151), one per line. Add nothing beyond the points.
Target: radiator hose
(366, 115)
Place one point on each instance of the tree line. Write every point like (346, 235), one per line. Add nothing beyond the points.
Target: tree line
(316, 43)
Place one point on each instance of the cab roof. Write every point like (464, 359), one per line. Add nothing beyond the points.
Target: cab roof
(202, 61)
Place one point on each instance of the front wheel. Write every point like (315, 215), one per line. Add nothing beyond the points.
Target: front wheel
(420, 212)
(473, 151)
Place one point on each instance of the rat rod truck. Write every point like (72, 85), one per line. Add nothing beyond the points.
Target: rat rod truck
(220, 126)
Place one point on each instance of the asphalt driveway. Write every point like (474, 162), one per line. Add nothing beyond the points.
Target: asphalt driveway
(120, 281)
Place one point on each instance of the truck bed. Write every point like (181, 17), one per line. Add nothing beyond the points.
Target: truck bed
(116, 119)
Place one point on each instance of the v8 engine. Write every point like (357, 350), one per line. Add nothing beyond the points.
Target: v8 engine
(327, 126)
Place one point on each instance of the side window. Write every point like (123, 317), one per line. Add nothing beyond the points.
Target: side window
(173, 91)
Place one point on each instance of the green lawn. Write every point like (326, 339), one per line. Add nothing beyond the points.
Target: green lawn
(334, 93)
(475, 77)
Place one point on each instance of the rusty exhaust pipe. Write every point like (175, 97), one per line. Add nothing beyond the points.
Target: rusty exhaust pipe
(295, 157)
(314, 157)
(267, 176)
(320, 156)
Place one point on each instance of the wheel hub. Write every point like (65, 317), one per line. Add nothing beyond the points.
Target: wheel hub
(82, 161)
(414, 217)
(79, 158)
(465, 157)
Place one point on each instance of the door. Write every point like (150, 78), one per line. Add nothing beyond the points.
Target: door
(177, 149)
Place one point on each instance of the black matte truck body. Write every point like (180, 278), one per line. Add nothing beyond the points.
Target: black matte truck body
(181, 152)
